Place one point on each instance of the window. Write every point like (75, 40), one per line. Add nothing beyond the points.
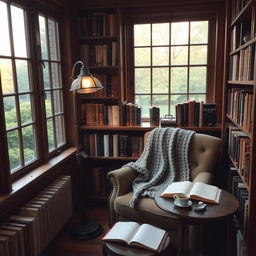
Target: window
(24, 117)
(49, 42)
(170, 64)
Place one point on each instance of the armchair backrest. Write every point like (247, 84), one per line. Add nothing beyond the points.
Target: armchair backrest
(203, 153)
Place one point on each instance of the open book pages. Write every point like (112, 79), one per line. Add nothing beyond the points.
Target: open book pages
(133, 234)
(197, 191)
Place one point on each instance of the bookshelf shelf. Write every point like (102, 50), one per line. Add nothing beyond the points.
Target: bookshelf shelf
(243, 13)
(234, 82)
(251, 42)
(238, 126)
(238, 171)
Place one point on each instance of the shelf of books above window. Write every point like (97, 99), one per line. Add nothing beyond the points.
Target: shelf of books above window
(107, 68)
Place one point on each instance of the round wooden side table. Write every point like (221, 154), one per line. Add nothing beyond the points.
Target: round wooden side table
(114, 249)
(187, 216)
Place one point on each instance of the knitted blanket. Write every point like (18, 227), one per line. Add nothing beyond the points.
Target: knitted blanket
(163, 161)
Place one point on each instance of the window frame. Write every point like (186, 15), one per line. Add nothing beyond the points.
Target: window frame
(143, 18)
(33, 10)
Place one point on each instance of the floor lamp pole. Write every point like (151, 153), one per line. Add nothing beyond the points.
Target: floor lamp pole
(85, 229)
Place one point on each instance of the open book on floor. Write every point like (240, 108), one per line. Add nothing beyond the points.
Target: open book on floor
(197, 191)
(133, 234)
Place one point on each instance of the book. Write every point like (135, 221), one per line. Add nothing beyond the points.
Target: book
(197, 191)
(133, 234)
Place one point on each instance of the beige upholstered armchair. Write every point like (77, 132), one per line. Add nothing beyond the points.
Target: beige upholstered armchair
(203, 156)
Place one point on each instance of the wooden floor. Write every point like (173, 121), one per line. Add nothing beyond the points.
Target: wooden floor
(64, 245)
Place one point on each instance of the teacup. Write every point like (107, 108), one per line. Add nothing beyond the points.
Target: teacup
(181, 199)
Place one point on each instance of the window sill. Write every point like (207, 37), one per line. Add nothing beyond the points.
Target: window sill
(37, 173)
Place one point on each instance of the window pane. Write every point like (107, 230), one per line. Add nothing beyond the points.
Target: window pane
(142, 56)
(10, 112)
(198, 55)
(28, 137)
(59, 124)
(142, 80)
(56, 81)
(6, 76)
(175, 99)
(25, 109)
(144, 102)
(160, 56)
(162, 101)
(199, 32)
(57, 101)
(197, 79)
(179, 79)
(43, 38)
(19, 34)
(179, 33)
(160, 80)
(48, 104)
(46, 76)
(13, 149)
(142, 35)
(179, 55)
(4, 28)
(50, 134)
(160, 34)
(22, 75)
(53, 39)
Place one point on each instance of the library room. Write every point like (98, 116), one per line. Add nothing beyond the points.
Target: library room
(127, 127)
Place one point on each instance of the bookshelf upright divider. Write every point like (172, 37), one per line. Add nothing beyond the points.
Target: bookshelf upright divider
(239, 118)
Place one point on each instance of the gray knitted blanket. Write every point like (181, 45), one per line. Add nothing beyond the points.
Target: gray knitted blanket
(163, 161)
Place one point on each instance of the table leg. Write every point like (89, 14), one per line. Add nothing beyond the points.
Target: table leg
(182, 237)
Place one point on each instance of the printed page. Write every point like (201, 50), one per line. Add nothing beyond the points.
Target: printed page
(205, 191)
(149, 236)
(122, 231)
(177, 188)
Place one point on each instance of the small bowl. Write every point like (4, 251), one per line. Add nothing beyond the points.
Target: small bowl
(200, 206)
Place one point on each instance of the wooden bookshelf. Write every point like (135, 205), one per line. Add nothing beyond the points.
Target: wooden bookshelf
(240, 79)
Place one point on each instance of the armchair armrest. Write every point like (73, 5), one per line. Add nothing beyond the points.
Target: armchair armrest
(121, 183)
(205, 177)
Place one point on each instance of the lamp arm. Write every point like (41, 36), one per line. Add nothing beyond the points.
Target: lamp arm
(73, 68)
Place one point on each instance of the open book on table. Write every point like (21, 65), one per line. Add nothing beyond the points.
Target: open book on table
(197, 191)
(133, 234)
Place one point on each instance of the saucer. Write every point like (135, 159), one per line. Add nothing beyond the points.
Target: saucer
(183, 206)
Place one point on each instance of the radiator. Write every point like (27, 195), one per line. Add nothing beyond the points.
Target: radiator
(38, 221)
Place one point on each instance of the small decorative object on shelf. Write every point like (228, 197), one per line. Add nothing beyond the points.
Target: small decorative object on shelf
(168, 121)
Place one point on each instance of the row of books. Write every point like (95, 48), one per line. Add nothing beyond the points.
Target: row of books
(240, 191)
(240, 35)
(240, 107)
(96, 181)
(99, 114)
(131, 114)
(109, 83)
(239, 147)
(98, 24)
(100, 55)
(242, 64)
(113, 145)
(194, 113)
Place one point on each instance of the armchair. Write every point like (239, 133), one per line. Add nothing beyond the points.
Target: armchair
(203, 155)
